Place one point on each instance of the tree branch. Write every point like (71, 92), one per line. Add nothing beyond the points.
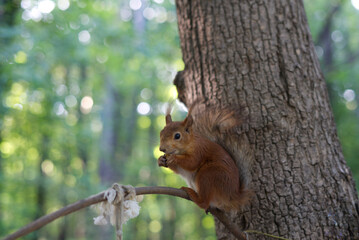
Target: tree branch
(42, 221)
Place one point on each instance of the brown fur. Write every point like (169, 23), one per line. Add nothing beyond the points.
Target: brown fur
(211, 174)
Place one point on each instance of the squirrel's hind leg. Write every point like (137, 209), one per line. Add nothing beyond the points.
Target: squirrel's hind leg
(202, 202)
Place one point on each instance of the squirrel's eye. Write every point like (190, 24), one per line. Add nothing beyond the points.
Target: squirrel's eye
(177, 136)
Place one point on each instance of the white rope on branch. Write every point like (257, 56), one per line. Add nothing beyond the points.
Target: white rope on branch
(98, 198)
(121, 205)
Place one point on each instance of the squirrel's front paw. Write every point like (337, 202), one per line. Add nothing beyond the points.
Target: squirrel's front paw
(162, 161)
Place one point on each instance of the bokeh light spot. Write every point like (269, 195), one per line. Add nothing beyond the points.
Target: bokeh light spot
(71, 101)
(144, 122)
(70, 180)
(146, 93)
(135, 4)
(86, 104)
(71, 120)
(355, 4)
(351, 105)
(349, 95)
(7, 148)
(46, 6)
(32, 154)
(149, 13)
(47, 167)
(96, 125)
(63, 4)
(156, 152)
(144, 108)
(26, 4)
(84, 37)
(155, 226)
(20, 57)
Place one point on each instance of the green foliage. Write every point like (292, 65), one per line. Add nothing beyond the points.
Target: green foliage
(83, 89)
(71, 83)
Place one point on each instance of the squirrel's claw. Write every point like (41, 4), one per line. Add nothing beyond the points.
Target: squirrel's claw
(162, 161)
(207, 211)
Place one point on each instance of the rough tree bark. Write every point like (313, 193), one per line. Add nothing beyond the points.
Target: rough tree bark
(259, 56)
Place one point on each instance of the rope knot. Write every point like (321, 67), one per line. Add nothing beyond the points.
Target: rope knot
(121, 205)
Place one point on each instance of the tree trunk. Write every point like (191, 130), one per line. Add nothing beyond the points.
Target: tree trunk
(41, 188)
(259, 56)
(109, 137)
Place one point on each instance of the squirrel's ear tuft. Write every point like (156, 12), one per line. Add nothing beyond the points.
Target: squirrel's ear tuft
(188, 121)
(168, 114)
(168, 119)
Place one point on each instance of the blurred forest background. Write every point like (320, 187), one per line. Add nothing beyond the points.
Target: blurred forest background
(83, 88)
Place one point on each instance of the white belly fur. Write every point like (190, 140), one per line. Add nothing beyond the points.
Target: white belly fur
(188, 177)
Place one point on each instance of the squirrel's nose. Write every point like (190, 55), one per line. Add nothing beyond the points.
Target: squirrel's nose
(162, 149)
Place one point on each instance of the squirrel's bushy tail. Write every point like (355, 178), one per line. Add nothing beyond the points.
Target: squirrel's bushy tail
(221, 125)
(215, 119)
(245, 195)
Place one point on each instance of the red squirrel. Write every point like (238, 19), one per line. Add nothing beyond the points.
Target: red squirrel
(191, 151)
